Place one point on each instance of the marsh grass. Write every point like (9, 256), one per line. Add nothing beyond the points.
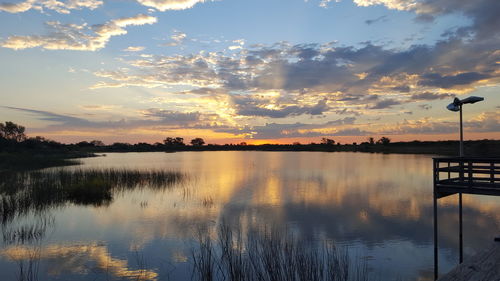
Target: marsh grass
(25, 192)
(271, 255)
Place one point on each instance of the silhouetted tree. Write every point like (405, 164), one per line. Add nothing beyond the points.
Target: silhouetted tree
(384, 140)
(296, 143)
(243, 143)
(121, 146)
(174, 141)
(326, 141)
(84, 144)
(197, 142)
(371, 140)
(12, 131)
(97, 143)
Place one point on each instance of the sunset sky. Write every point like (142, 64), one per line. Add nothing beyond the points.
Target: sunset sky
(259, 71)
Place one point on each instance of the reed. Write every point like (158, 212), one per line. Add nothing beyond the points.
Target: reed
(36, 191)
(271, 255)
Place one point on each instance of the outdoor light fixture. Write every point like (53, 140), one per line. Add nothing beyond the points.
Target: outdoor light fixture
(456, 105)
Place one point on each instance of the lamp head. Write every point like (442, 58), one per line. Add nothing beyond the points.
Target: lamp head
(453, 107)
(457, 103)
(472, 99)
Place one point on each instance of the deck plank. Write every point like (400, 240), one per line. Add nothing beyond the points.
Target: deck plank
(484, 266)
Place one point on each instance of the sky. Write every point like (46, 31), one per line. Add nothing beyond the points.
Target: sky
(260, 71)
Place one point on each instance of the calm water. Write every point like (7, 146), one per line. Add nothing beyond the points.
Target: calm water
(379, 206)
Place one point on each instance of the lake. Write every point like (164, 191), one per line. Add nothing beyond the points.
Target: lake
(378, 207)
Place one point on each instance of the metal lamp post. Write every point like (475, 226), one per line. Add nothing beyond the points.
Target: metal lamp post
(456, 105)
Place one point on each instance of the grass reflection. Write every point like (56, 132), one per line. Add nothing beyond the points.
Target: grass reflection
(270, 255)
(32, 194)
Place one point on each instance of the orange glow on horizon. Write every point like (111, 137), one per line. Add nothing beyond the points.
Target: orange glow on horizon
(225, 138)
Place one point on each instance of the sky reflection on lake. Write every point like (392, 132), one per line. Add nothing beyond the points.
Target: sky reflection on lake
(380, 206)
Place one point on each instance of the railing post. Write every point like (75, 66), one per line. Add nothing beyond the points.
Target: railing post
(470, 174)
(434, 200)
(460, 222)
(449, 170)
(461, 170)
(492, 173)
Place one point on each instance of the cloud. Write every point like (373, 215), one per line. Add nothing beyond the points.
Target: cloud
(352, 132)
(16, 7)
(293, 130)
(383, 104)
(174, 117)
(450, 81)
(246, 108)
(430, 96)
(77, 37)
(259, 83)
(425, 106)
(483, 13)
(62, 7)
(485, 122)
(163, 5)
(146, 118)
(156, 71)
(319, 69)
(391, 4)
(177, 38)
(302, 76)
(134, 49)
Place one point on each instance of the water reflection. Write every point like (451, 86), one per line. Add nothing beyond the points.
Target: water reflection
(77, 259)
(378, 205)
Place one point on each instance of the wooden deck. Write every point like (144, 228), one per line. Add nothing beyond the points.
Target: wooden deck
(484, 266)
(462, 175)
(466, 175)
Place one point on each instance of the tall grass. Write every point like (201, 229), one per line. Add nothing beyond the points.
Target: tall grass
(25, 192)
(271, 255)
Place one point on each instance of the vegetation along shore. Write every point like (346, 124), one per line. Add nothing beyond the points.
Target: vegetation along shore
(18, 151)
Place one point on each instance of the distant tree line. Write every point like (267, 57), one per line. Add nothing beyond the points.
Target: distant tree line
(14, 139)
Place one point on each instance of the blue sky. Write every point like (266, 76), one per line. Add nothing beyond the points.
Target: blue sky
(254, 71)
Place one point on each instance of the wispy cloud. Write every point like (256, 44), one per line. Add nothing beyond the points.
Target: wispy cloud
(134, 49)
(163, 5)
(148, 117)
(77, 37)
(62, 7)
(177, 38)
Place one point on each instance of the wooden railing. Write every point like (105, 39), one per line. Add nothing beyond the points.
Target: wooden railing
(467, 175)
(463, 176)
